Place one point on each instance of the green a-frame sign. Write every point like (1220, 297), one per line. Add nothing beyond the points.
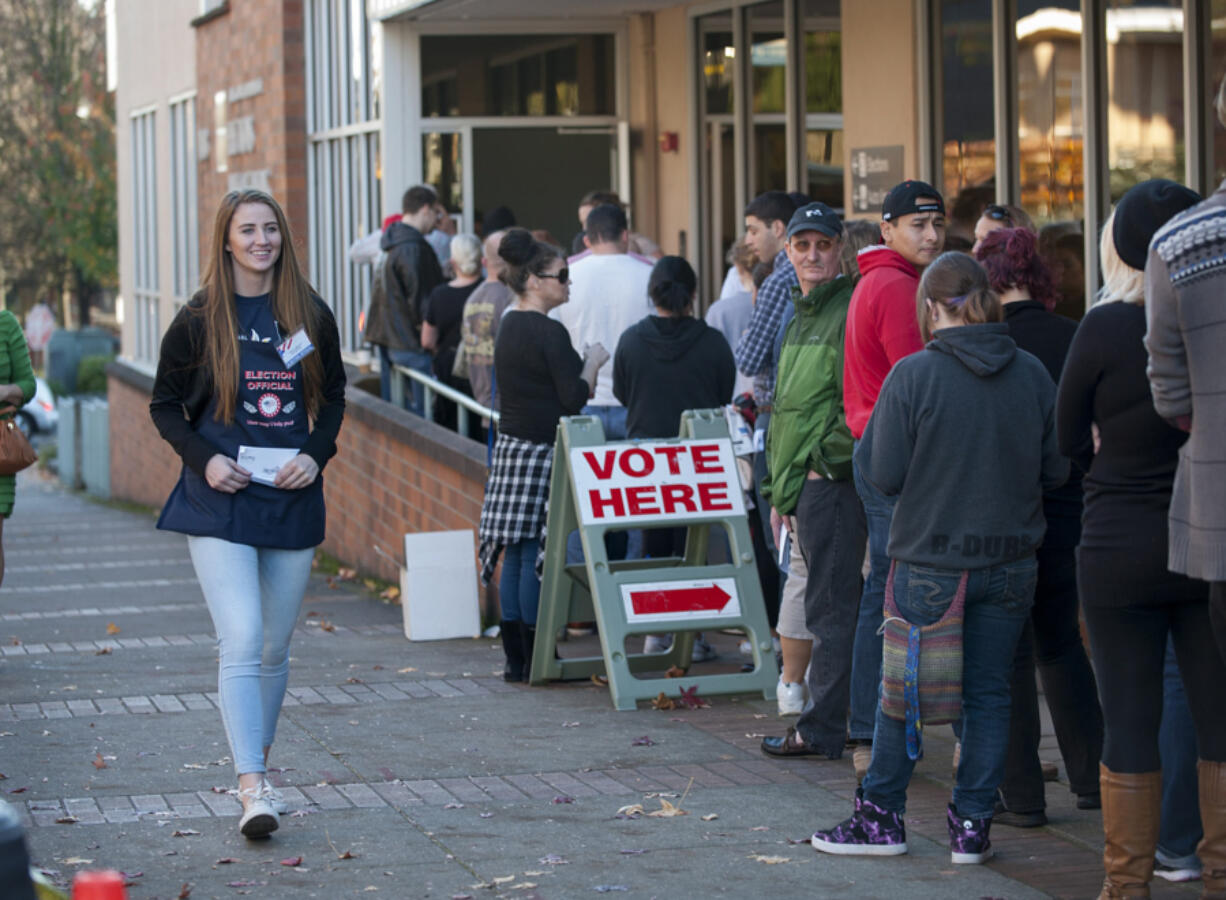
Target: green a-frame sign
(690, 482)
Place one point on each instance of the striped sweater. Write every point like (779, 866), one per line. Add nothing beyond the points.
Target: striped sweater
(1185, 310)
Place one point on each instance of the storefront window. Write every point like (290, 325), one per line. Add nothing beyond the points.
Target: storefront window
(1145, 119)
(823, 52)
(1217, 71)
(1051, 126)
(517, 75)
(718, 63)
(443, 167)
(967, 127)
(769, 57)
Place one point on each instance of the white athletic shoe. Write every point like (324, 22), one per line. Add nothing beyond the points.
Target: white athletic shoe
(790, 697)
(259, 819)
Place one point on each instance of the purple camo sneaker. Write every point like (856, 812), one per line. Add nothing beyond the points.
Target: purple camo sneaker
(968, 838)
(871, 831)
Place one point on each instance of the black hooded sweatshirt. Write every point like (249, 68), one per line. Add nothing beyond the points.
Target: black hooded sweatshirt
(964, 434)
(665, 366)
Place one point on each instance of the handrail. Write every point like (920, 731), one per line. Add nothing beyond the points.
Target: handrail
(432, 386)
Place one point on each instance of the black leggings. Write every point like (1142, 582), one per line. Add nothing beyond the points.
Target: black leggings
(1128, 645)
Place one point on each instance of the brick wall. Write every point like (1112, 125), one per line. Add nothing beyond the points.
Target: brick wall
(394, 472)
(256, 39)
(143, 467)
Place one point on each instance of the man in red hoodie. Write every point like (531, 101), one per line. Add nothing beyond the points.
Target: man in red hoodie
(882, 328)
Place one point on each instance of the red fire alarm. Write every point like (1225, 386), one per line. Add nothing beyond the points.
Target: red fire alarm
(670, 142)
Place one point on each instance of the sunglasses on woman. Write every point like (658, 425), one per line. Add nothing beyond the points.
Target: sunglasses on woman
(999, 214)
(563, 275)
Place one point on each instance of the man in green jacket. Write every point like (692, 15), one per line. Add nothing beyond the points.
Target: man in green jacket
(809, 483)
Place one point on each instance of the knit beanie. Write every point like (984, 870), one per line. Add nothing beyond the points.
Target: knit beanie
(1142, 211)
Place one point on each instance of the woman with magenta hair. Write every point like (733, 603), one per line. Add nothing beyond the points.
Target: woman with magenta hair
(1052, 636)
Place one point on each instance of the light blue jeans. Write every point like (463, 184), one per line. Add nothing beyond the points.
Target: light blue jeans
(254, 595)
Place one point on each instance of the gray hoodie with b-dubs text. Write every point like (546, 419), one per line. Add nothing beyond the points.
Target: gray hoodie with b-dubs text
(964, 435)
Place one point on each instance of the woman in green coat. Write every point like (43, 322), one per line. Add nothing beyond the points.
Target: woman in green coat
(16, 389)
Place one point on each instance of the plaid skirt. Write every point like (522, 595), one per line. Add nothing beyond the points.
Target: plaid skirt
(516, 499)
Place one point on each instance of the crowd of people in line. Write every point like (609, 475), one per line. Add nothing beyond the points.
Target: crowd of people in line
(956, 474)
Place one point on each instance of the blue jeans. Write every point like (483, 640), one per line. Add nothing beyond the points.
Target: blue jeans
(613, 418)
(1181, 827)
(253, 595)
(998, 601)
(519, 590)
(866, 651)
(418, 360)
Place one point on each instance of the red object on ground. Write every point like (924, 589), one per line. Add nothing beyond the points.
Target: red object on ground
(103, 885)
(700, 599)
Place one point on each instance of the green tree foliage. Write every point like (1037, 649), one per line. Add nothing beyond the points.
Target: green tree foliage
(58, 231)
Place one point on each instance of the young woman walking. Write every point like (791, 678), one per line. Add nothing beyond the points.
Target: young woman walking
(252, 362)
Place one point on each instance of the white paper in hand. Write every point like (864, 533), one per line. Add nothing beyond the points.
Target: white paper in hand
(264, 462)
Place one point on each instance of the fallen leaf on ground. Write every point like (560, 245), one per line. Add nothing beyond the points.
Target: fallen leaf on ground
(244, 883)
(185, 891)
(631, 811)
(66, 820)
(345, 573)
(226, 860)
(600, 680)
(326, 625)
(370, 584)
(392, 593)
(570, 724)
(76, 861)
(292, 861)
(16, 642)
(406, 670)
(99, 762)
(710, 817)
(20, 790)
(667, 810)
(761, 828)
(675, 672)
(348, 854)
(643, 741)
(300, 813)
(505, 879)
(552, 859)
(690, 700)
(312, 614)
(112, 628)
(105, 651)
(770, 860)
(453, 805)
(184, 832)
(662, 701)
(487, 815)
(352, 679)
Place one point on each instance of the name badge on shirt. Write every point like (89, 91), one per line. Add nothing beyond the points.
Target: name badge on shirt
(294, 348)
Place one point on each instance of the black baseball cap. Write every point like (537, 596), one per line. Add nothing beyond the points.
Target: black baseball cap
(816, 216)
(901, 200)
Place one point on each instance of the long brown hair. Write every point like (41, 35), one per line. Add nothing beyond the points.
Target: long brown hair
(960, 285)
(292, 306)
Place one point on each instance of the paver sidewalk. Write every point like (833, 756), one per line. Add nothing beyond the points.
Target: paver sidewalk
(413, 769)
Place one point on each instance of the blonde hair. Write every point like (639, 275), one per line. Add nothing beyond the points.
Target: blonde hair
(1121, 282)
(960, 286)
(466, 254)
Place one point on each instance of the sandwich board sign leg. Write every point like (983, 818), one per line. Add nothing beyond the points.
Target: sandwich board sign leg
(691, 482)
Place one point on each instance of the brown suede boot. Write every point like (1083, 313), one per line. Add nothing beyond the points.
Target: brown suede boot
(1212, 848)
(1132, 809)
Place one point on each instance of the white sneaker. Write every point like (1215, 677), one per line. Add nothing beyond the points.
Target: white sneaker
(657, 643)
(259, 818)
(273, 796)
(790, 697)
(703, 651)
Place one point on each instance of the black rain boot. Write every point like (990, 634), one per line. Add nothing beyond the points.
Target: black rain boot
(528, 638)
(513, 647)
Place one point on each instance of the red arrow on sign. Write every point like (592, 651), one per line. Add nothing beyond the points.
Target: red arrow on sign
(709, 598)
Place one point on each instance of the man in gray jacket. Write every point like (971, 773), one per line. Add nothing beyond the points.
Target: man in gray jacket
(1185, 311)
